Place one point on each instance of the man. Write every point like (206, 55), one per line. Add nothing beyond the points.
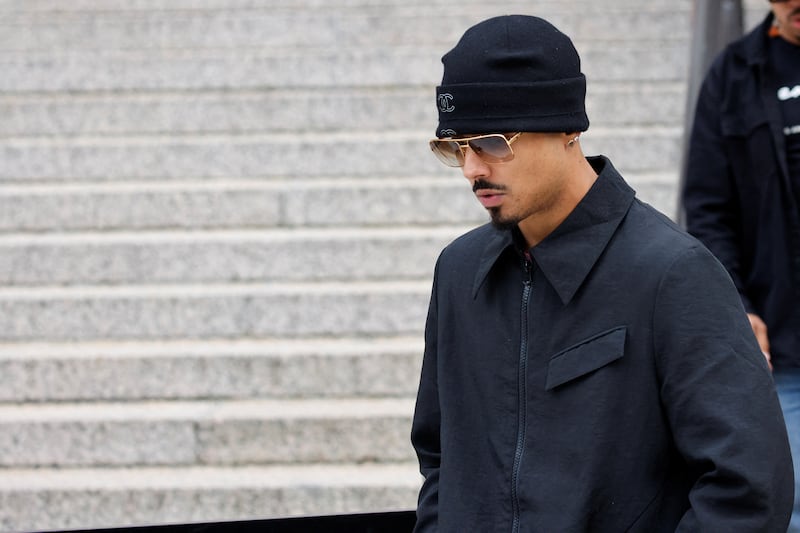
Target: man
(588, 366)
(742, 192)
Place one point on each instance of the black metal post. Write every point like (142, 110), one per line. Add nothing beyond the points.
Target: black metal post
(715, 23)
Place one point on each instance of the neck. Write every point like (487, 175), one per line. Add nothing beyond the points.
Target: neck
(580, 178)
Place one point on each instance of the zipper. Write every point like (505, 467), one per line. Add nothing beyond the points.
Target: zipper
(522, 391)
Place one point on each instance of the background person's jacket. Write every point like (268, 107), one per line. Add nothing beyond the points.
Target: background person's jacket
(610, 384)
(738, 195)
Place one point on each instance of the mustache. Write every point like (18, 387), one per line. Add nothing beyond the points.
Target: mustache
(483, 184)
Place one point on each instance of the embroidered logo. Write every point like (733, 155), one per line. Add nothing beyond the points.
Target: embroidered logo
(446, 103)
(447, 133)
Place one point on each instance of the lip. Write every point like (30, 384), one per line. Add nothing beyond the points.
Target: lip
(490, 198)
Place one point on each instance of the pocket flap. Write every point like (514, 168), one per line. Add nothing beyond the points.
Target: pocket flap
(585, 357)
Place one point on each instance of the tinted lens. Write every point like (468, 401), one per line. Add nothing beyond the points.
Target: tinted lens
(492, 148)
(448, 152)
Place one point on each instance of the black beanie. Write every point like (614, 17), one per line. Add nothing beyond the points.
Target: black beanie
(511, 73)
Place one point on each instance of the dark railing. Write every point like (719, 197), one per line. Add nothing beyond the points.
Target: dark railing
(715, 23)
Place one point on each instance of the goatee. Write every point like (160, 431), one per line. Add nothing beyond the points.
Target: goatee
(502, 223)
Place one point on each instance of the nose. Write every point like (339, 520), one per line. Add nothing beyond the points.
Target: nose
(474, 167)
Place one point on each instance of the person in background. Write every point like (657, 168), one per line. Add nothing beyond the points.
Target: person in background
(588, 366)
(742, 192)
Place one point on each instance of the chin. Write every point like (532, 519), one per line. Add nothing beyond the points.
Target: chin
(502, 223)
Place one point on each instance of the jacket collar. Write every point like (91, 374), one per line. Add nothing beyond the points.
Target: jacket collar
(752, 48)
(567, 255)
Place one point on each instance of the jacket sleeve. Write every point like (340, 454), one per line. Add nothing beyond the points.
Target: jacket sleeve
(709, 193)
(425, 430)
(720, 402)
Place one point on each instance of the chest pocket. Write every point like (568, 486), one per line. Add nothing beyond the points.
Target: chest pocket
(585, 357)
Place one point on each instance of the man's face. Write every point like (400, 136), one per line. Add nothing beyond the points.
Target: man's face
(787, 16)
(533, 184)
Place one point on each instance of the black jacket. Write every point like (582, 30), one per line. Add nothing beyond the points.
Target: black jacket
(610, 384)
(738, 194)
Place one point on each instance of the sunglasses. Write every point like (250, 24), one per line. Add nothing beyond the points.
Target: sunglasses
(493, 148)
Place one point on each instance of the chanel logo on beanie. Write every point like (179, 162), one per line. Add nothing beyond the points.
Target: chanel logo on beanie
(445, 103)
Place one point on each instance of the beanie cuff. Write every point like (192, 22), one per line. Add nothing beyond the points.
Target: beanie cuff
(545, 106)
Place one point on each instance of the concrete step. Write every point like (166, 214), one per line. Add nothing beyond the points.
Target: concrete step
(70, 498)
(642, 104)
(230, 204)
(345, 254)
(608, 104)
(182, 369)
(208, 311)
(231, 432)
(216, 111)
(364, 154)
(165, 158)
(125, 6)
(325, 67)
(341, 203)
(281, 28)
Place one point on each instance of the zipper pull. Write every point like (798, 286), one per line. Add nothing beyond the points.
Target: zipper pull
(528, 266)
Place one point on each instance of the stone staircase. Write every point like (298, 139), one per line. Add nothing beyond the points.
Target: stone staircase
(218, 223)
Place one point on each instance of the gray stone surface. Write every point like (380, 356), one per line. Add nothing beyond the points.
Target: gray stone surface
(346, 203)
(238, 111)
(550, 7)
(379, 202)
(377, 109)
(330, 431)
(378, 66)
(223, 257)
(621, 104)
(636, 150)
(32, 500)
(364, 26)
(87, 442)
(211, 369)
(393, 200)
(219, 433)
(227, 311)
(191, 69)
(142, 207)
(403, 154)
(253, 156)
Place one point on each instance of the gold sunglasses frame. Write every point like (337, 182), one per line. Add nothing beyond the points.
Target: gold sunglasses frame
(463, 144)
